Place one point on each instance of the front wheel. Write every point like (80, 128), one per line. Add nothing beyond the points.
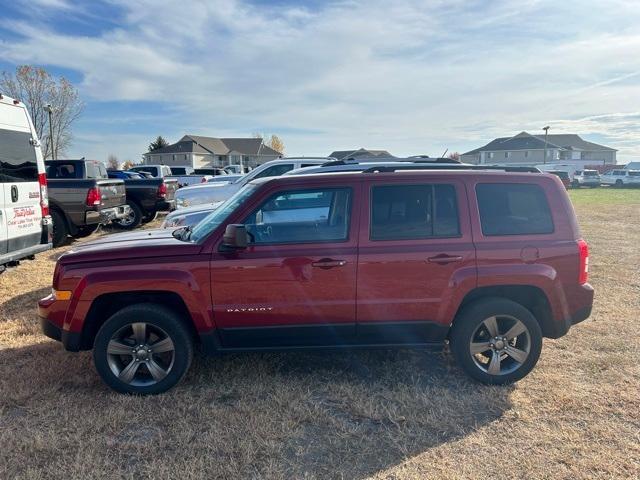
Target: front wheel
(143, 349)
(496, 341)
(618, 183)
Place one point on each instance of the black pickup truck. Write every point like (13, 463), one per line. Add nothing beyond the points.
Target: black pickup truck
(145, 196)
(81, 197)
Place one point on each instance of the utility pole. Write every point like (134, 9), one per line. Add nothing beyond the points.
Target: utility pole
(546, 131)
(49, 110)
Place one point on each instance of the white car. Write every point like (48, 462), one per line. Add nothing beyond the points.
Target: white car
(25, 224)
(586, 178)
(219, 191)
(157, 171)
(621, 177)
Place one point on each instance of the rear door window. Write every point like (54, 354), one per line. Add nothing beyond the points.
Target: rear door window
(302, 216)
(62, 170)
(17, 157)
(404, 212)
(513, 209)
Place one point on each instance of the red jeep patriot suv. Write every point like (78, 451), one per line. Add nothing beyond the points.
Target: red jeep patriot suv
(489, 260)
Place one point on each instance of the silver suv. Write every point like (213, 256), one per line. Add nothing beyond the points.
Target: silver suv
(586, 178)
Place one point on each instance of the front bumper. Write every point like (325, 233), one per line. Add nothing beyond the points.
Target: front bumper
(51, 313)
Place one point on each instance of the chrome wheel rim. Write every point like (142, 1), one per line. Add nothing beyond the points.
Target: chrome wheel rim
(500, 345)
(140, 354)
(128, 219)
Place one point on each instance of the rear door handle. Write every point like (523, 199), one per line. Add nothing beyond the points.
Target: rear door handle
(444, 258)
(327, 263)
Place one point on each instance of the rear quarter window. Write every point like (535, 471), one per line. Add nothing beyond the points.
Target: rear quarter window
(17, 157)
(513, 209)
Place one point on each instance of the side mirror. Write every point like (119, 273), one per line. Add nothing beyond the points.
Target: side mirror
(235, 237)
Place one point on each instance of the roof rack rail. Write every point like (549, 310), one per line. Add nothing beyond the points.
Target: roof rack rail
(408, 160)
(442, 166)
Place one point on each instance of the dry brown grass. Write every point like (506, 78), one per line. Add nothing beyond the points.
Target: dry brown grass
(398, 414)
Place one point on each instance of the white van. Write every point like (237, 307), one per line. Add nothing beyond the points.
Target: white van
(25, 224)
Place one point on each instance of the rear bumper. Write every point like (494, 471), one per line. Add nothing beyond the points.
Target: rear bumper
(24, 253)
(560, 328)
(107, 215)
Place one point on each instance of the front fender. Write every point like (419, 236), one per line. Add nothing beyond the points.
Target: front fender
(150, 279)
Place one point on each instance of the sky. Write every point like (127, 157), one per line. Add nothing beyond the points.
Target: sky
(412, 77)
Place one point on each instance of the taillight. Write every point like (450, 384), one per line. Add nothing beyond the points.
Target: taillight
(583, 248)
(162, 191)
(93, 197)
(44, 194)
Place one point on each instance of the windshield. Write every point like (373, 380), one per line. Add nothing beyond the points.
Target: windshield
(215, 218)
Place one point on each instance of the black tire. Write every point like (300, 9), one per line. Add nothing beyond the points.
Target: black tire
(575, 184)
(149, 217)
(86, 231)
(133, 221)
(60, 230)
(618, 183)
(469, 322)
(155, 317)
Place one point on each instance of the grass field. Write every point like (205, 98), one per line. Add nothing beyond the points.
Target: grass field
(381, 414)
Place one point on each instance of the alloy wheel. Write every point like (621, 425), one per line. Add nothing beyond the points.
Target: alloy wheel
(140, 354)
(500, 345)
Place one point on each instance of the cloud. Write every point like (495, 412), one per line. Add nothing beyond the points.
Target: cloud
(410, 76)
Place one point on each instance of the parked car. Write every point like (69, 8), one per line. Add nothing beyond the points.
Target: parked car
(194, 179)
(125, 174)
(218, 192)
(82, 197)
(181, 170)
(214, 172)
(489, 260)
(586, 178)
(564, 177)
(156, 171)
(632, 166)
(621, 177)
(224, 178)
(25, 223)
(145, 197)
(189, 216)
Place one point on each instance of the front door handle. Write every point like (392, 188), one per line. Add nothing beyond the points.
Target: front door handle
(14, 193)
(327, 263)
(444, 258)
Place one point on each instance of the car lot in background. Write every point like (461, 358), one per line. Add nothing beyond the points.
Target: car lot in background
(82, 197)
(153, 170)
(189, 216)
(621, 178)
(586, 178)
(217, 192)
(564, 177)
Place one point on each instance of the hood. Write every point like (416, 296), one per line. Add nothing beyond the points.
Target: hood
(131, 245)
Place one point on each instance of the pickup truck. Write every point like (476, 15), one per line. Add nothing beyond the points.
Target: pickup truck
(145, 197)
(82, 197)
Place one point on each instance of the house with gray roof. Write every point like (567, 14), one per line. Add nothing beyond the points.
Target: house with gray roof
(359, 153)
(527, 149)
(202, 152)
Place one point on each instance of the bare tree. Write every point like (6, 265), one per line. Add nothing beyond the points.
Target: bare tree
(454, 156)
(37, 88)
(274, 141)
(127, 164)
(112, 162)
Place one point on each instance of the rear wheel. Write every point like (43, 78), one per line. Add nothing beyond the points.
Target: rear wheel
(575, 184)
(60, 231)
(149, 217)
(133, 218)
(618, 183)
(496, 341)
(143, 349)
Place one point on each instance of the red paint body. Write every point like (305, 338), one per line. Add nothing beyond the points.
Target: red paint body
(381, 283)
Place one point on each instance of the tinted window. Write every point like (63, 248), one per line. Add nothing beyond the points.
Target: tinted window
(403, 212)
(17, 157)
(95, 170)
(634, 174)
(302, 216)
(513, 209)
(62, 170)
(275, 170)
